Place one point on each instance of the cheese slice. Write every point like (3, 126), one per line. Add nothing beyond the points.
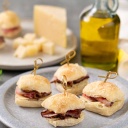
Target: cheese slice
(51, 22)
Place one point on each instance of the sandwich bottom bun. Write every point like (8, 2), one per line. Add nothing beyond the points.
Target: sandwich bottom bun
(26, 102)
(11, 34)
(101, 109)
(75, 89)
(66, 122)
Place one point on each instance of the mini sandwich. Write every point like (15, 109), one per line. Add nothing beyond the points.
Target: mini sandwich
(77, 78)
(31, 90)
(103, 98)
(63, 109)
(9, 24)
(2, 42)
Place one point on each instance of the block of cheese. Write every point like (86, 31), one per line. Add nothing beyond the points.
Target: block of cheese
(26, 51)
(51, 22)
(39, 42)
(32, 50)
(48, 48)
(18, 52)
(21, 41)
(17, 42)
(30, 36)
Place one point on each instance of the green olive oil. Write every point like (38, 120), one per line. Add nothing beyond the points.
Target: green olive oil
(99, 41)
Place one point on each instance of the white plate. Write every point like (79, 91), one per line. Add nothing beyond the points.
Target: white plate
(18, 117)
(8, 61)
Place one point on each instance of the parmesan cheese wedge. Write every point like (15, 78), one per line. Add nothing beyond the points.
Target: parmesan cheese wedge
(51, 22)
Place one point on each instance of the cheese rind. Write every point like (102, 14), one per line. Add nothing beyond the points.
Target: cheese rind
(51, 22)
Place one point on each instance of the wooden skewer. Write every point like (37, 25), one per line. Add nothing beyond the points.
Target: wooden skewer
(109, 76)
(36, 66)
(68, 57)
(64, 83)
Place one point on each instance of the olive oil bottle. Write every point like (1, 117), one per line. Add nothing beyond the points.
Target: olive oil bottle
(99, 35)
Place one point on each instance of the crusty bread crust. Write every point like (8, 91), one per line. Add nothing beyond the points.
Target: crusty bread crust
(71, 71)
(34, 82)
(9, 19)
(26, 102)
(104, 89)
(101, 109)
(61, 103)
(66, 122)
(75, 89)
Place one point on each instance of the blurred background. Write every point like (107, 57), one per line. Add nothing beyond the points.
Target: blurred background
(24, 8)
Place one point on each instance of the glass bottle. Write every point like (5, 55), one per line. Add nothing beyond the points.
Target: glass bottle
(99, 35)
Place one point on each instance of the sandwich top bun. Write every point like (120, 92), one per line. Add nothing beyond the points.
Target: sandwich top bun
(34, 82)
(104, 89)
(61, 103)
(9, 19)
(72, 72)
